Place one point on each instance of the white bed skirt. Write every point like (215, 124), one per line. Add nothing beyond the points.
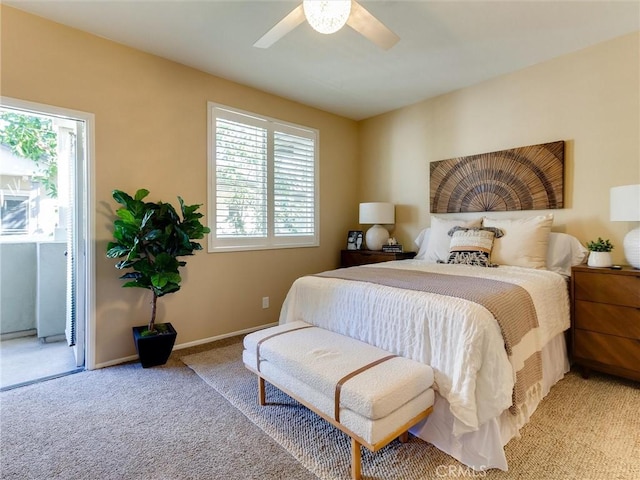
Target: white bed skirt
(484, 448)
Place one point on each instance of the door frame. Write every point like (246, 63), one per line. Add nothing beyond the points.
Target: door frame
(86, 274)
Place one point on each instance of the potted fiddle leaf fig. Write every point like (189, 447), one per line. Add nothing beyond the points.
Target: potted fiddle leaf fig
(150, 237)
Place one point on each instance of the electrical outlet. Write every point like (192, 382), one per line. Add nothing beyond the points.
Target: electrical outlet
(265, 302)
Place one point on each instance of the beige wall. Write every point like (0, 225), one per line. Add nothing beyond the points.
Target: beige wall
(150, 131)
(590, 99)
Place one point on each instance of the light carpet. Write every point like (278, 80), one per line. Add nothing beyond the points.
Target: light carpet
(129, 423)
(584, 429)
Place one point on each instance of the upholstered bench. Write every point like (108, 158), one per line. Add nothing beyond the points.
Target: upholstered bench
(369, 394)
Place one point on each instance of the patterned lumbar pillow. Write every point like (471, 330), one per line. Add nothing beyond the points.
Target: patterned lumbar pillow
(472, 246)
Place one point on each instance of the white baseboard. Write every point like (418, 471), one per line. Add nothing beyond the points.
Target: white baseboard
(180, 346)
(117, 361)
(220, 337)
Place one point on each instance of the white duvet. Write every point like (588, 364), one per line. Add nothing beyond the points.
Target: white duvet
(459, 339)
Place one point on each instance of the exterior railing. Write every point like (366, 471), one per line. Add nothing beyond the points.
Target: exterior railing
(33, 288)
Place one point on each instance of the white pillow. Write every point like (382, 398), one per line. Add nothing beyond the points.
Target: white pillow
(524, 243)
(564, 252)
(422, 241)
(439, 239)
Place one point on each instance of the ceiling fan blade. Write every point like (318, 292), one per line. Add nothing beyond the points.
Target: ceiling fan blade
(370, 27)
(284, 26)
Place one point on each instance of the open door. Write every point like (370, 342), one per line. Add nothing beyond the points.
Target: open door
(73, 225)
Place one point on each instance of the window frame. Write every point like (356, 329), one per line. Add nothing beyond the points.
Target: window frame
(24, 197)
(270, 241)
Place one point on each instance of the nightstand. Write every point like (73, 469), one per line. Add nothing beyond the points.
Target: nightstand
(352, 258)
(605, 325)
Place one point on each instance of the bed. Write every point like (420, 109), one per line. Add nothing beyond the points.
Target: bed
(477, 369)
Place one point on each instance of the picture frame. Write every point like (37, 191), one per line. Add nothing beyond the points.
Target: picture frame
(355, 240)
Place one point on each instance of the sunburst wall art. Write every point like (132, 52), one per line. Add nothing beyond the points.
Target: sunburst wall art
(524, 178)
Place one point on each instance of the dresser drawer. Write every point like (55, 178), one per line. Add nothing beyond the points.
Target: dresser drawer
(607, 349)
(605, 318)
(611, 289)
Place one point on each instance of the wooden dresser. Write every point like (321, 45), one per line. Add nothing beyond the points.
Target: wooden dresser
(605, 323)
(353, 258)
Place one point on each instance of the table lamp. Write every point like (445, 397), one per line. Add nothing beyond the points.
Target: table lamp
(625, 207)
(377, 214)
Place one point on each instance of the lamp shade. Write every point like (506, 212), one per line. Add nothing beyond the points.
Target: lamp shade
(625, 207)
(625, 204)
(377, 213)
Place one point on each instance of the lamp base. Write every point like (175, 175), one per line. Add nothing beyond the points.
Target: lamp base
(376, 237)
(631, 247)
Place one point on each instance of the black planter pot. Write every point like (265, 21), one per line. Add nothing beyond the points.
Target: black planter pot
(155, 349)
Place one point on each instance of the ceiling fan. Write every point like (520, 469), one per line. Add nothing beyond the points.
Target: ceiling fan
(329, 16)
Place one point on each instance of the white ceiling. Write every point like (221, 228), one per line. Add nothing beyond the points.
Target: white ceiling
(444, 45)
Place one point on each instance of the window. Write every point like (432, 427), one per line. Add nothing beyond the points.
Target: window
(14, 214)
(263, 182)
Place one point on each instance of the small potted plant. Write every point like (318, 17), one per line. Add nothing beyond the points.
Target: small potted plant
(599, 253)
(149, 237)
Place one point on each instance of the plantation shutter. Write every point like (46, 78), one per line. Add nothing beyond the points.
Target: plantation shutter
(263, 176)
(294, 185)
(241, 179)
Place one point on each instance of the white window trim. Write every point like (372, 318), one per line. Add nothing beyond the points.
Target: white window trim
(270, 241)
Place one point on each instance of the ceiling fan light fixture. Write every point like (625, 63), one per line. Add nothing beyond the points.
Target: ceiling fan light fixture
(327, 16)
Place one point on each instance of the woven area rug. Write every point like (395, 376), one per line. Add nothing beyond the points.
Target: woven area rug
(584, 429)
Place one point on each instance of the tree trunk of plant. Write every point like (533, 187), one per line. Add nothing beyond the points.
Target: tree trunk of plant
(154, 301)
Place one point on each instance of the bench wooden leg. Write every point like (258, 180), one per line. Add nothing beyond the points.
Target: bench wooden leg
(261, 392)
(356, 470)
(404, 437)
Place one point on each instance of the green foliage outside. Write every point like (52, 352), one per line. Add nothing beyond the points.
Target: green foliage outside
(34, 138)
